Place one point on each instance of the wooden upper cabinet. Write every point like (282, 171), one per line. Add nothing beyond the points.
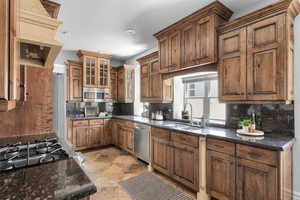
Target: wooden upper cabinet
(232, 65)
(103, 73)
(205, 40)
(174, 51)
(89, 72)
(75, 77)
(96, 69)
(153, 88)
(145, 81)
(188, 45)
(114, 84)
(126, 84)
(10, 72)
(256, 181)
(164, 54)
(265, 56)
(192, 41)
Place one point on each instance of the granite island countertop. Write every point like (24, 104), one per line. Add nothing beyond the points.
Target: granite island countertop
(271, 141)
(60, 180)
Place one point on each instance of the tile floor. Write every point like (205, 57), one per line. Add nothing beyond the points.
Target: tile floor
(107, 167)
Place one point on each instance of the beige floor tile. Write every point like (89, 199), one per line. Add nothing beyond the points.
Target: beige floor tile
(107, 167)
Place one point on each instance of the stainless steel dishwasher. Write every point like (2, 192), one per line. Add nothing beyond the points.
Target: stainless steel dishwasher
(141, 142)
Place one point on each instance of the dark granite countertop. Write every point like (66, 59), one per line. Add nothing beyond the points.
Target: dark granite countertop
(272, 141)
(61, 180)
(74, 118)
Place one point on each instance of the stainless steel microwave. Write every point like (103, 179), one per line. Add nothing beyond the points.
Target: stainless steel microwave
(96, 95)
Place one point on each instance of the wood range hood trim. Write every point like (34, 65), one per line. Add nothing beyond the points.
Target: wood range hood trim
(36, 27)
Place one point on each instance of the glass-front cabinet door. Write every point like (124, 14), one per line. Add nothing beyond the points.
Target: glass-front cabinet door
(89, 72)
(103, 73)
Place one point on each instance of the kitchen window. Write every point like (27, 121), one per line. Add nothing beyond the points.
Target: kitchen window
(201, 91)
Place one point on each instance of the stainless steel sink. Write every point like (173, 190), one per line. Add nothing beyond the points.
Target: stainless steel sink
(183, 126)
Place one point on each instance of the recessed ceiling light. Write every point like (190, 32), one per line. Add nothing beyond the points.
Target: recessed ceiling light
(130, 31)
(65, 32)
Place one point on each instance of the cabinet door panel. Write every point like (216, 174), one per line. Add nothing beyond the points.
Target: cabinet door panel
(75, 84)
(103, 73)
(129, 140)
(164, 54)
(220, 175)
(114, 85)
(184, 165)
(121, 85)
(156, 86)
(160, 155)
(96, 135)
(266, 64)
(232, 65)
(174, 51)
(256, 181)
(89, 72)
(205, 36)
(81, 135)
(188, 46)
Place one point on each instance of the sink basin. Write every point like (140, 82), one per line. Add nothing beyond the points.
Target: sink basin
(183, 126)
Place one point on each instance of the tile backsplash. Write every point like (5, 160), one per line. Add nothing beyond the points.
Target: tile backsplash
(269, 117)
(166, 108)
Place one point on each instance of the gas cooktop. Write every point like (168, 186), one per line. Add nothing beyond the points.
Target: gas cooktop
(23, 155)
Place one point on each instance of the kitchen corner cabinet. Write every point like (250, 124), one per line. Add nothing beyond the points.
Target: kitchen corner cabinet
(256, 56)
(96, 69)
(192, 41)
(125, 84)
(75, 75)
(10, 72)
(176, 155)
(85, 134)
(153, 88)
(236, 171)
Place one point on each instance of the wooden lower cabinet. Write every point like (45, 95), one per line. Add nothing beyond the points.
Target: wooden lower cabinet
(160, 155)
(96, 135)
(250, 173)
(85, 134)
(178, 160)
(220, 175)
(185, 165)
(256, 181)
(81, 137)
(123, 135)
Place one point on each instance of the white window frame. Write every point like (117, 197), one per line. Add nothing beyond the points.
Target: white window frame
(206, 99)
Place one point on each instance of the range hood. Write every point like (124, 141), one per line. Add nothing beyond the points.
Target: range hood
(38, 34)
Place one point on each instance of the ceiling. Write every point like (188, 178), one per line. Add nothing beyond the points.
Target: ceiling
(100, 25)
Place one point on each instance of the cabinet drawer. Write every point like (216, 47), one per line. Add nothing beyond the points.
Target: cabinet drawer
(184, 139)
(221, 146)
(160, 133)
(80, 123)
(256, 154)
(96, 122)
